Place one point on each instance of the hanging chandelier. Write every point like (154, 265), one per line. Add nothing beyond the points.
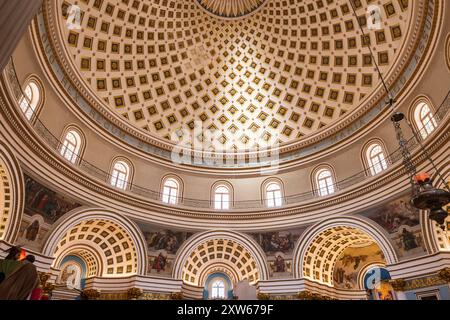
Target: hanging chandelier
(425, 196)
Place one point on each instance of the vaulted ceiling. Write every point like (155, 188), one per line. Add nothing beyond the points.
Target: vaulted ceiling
(288, 70)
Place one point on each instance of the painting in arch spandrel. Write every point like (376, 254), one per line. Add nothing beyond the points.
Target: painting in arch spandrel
(43, 207)
(279, 247)
(162, 247)
(402, 222)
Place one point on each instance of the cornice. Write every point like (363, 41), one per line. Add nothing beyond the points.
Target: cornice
(32, 152)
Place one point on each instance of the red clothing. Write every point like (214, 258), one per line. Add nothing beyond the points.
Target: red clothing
(36, 294)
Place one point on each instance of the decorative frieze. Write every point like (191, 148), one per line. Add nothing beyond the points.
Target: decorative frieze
(91, 294)
(134, 293)
(308, 295)
(442, 278)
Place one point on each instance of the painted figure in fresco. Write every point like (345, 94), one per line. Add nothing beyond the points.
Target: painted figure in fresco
(44, 201)
(339, 275)
(32, 231)
(356, 261)
(159, 263)
(166, 240)
(279, 264)
(71, 276)
(349, 280)
(409, 240)
(272, 242)
(397, 214)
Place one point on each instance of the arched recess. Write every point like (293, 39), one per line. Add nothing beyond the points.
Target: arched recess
(318, 249)
(232, 253)
(270, 198)
(215, 189)
(327, 185)
(414, 116)
(11, 195)
(121, 177)
(110, 239)
(73, 151)
(33, 97)
(365, 155)
(171, 195)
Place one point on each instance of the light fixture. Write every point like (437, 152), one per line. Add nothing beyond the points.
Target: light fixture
(424, 195)
(430, 198)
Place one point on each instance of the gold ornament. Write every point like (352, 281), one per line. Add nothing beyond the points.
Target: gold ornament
(398, 284)
(176, 296)
(47, 288)
(444, 274)
(134, 293)
(308, 295)
(91, 294)
(263, 296)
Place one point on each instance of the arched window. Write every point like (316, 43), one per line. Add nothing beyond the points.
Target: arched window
(30, 99)
(70, 148)
(222, 198)
(170, 191)
(376, 159)
(424, 119)
(120, 175)
(273, 195)
(218, 290)
(325, 182)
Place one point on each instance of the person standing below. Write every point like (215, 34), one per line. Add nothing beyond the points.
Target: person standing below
(17, 278)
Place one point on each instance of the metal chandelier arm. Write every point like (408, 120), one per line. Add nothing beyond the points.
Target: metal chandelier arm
(424, 195)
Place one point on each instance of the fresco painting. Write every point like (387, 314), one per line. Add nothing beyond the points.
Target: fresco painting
(283, 241)
(402, 222)
(32, 232)
(279, 248)
(351, 262)
(280, 265)
(43, 201)
(162, 247)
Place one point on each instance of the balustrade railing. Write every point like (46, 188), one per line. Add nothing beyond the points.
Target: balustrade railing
(101, 175)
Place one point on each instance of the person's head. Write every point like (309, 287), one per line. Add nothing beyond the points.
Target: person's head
(13, 253)
(30, 258)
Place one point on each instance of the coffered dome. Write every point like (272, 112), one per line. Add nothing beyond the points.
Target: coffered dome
(231, 8)
(292, 69)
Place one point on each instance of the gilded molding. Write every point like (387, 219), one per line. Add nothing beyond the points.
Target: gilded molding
(442, 278)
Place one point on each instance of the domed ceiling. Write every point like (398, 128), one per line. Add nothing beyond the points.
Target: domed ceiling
(231, 8)
(284, 72)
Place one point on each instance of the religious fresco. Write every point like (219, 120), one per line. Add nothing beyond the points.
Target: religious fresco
(32, 232)
(281, 241)
(279, 265)
(73, 273)
(279, 247)
(402, 221)
(47, 203)
(351, 261)
(162, 247)
(71, 276)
